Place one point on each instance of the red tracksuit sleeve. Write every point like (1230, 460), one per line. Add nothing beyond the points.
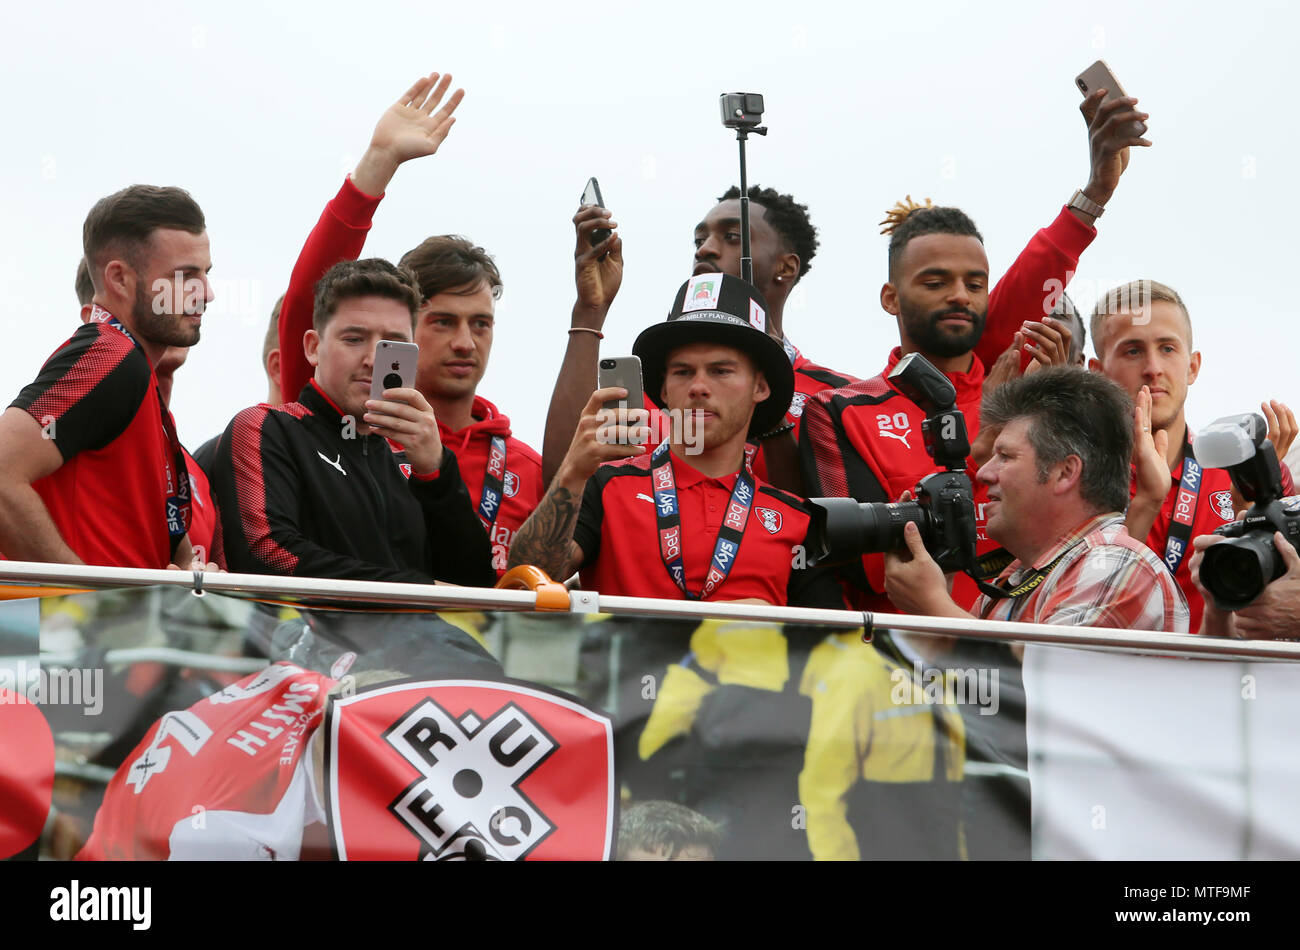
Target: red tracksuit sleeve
(339, 235)
(1033, 284)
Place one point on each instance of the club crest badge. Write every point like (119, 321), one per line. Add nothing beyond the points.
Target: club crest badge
(1222, 501)
(468, 770)
(770, 518)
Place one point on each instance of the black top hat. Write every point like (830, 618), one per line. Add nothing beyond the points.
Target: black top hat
(717, 308)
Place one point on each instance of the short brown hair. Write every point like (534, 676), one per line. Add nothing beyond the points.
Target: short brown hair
(121, 225)
(85, 289)
(446, 263)
(1130, 297)
(369, 277)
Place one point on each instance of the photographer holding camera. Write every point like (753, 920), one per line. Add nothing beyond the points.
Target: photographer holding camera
(1057, 487)
(1273, 615)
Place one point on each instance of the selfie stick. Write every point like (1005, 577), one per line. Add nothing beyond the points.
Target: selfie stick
(746, 262)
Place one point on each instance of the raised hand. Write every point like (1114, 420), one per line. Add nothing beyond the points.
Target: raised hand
(409, 128)
(1281, 426)
(1112, 128)
(598, 271)
(1151, 464)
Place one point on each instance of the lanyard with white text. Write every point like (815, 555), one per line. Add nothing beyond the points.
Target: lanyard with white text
(1180, 526)
(669, 521)
(494, 481)
(174, 469)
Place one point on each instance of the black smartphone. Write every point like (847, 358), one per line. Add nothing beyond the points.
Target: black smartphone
(623, 371)
(591, 196)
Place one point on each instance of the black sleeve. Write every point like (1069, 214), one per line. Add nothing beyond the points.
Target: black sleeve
(206, 455)
(256, 487)
(87, 393)
(586, 533)
(461, 552)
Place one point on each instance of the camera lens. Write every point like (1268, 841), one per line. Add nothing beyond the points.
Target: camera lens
(606, 364)
(1237, 570)
(392, 381)
(845, 530)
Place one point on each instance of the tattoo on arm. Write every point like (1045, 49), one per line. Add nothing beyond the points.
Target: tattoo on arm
(546, 538)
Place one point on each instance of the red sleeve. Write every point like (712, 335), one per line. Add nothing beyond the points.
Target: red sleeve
(1031, 287)
(339, 235)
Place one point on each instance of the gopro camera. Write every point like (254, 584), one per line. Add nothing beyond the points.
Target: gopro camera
(741, 110)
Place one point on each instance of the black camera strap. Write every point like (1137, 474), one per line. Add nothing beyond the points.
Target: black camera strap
(995, 562)
(668, 518)
(1180, 526)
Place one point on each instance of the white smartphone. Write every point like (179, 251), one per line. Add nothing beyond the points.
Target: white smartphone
(1098, 76)
(394, 366)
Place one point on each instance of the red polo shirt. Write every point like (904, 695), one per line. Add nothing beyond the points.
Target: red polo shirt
(619, 536)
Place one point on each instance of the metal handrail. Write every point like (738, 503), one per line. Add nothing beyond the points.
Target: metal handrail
(437, 597)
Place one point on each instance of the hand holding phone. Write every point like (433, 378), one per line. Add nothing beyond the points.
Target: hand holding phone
(1099, 76)
(591, 196)
(624, 371)
(393, 367)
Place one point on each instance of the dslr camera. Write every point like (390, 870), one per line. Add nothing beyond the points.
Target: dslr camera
(843, 529)
(1237, 570)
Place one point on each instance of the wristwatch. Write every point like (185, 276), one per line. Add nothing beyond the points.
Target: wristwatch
(1085, 204)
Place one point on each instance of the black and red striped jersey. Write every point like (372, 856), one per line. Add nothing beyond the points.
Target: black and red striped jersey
(97, 399)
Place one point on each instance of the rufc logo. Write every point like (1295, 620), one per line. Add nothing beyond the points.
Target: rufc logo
(771, 519)
(468, 770)
(1222, 501)
(512, 484)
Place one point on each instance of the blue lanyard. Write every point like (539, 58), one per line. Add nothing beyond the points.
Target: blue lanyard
(494, 481)
(669, 521)
(1180, 525)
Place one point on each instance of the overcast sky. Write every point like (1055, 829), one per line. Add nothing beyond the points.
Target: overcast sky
(259, 109)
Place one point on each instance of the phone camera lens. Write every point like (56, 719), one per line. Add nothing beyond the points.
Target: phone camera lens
(1083, 85)
(392, 381)
(606, 364)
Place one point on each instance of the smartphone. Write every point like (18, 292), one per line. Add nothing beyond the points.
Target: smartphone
(1098, 76)
(623, 371)
(591, 196)
(394, 366)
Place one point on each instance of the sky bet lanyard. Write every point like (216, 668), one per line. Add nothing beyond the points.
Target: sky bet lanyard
(177, 474)
(1180, 527)
(668, 518)
(494, 484)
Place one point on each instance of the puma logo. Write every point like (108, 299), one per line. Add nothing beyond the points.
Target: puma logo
(901, 438)
(646, 497)
(336, 462)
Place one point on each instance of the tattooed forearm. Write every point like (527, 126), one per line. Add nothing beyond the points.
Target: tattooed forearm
(546, 538)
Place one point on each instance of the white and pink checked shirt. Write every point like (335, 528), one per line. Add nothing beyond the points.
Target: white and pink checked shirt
(1104, 579)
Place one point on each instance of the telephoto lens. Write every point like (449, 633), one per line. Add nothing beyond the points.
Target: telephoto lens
(1236, 571)
(843, 529)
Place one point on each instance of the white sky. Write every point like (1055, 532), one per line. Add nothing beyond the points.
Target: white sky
(259, 109)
